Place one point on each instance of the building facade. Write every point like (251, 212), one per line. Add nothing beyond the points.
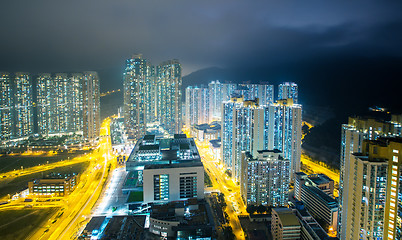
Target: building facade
(284, 131)
(215, 100)
(228, 109)
(169, 101)
(173, 182)
(288, 90)
(6, 107)
(53, 186)
(285, 224)
(134, 81)
(264, 179)
(23, 105)
(353, 134)
(91, 105)
(374, 200)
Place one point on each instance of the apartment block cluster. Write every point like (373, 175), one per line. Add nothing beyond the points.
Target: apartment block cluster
(260, 138)
(49, 104)
(151, 94)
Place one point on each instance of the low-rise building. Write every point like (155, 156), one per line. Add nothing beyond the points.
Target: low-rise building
(321, 181)
(215, 146)
(285, 224)
(173, 182)
(94, 228)
(321, 206)
(181, 220)
(206, 131)
(55, 186)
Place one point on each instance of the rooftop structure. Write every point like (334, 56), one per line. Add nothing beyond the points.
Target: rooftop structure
(152, 150)
(285, 224)
(182, 220)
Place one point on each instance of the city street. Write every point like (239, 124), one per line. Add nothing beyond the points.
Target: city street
(225, 185)
(78, 206)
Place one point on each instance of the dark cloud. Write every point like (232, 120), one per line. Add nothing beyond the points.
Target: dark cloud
(100, 34)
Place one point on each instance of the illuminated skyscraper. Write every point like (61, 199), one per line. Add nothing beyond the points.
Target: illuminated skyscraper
(61, 106)
(227, 90)
(288, 90)
(150, 93)
(76, 101)
(169, 102)
(248, 133)
(228, 109)
(266, 94)
(374, 200)
(191, 117)
(44, 103)
(6, 107)
(91, 105)
(353, 134)
(23, 105)
(135, 77)
(284, 131)
(215, 100)
(197, 106)
(59, 102)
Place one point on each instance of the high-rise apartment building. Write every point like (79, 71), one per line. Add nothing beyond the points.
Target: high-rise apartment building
(374, 198)
(266, 94)
(288, 90)
(265, 178)
(215, 100)
(61, 106)
(45, 102)
(198, 107)
(23, 105)
(353, 134)
(191, 114)
(152, 94)
(227, 90)
(64, 103)
(284, 131)
(228, 109)
(91, 105)
(6, 107)
(169, 100)
(76, 102)
(135, 104)
(248, 133)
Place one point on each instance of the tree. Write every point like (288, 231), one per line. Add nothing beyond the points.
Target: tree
(261, 209)
(251, 209)
(228, 233)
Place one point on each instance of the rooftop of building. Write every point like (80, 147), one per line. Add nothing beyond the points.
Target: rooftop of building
(125, 226)
(287, 217)
(189, 213)
(95, 223)
(168, 148)
(312, 226)
(214, 126)
(265, 155)
(301, 174)
(183, 164)
(319, 179)
(216, 143)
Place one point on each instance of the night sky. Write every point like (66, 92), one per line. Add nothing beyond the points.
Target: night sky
(348, 42)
